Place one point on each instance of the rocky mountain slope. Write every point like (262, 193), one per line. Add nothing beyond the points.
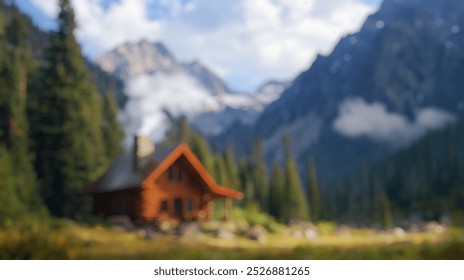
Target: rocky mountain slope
(158, 88)
(380, 89)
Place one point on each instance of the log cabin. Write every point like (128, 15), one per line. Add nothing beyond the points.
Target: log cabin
(158, 185)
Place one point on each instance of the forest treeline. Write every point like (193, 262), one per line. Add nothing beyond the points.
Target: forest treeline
(59, 131)
(278, 191)
(421, 182)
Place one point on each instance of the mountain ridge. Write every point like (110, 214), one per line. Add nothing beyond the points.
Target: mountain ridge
(153, 75)
(399, 75)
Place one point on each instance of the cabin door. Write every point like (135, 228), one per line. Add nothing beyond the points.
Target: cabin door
(178, 208)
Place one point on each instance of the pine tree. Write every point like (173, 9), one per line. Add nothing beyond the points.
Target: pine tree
(246, 181)
(277, 193)
(15, 71)
(231, 169)
(200, 148)
(259, 176)
(296, 206)
(69, 142)
(387, 217)
(365, 194)
(181, 132)
(185, 132)
(112, 130)
(11, 207)
(314, 195)
(219, 172)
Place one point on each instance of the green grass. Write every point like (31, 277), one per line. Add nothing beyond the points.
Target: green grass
(102, 243)
(72, 241)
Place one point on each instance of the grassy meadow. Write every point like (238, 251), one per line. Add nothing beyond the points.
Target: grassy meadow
(74, 241)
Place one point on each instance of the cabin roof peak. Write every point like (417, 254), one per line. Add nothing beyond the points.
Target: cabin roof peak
(122, 175)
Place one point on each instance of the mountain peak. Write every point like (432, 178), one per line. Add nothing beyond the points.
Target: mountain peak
(162, 49)
(206, 77)
(133, 59)
(158, 86)
(404, 63)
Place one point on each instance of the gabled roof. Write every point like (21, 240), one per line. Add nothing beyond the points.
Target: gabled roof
(121, 174)
(184, 150)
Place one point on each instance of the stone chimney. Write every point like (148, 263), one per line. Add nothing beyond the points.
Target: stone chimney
(143, 148)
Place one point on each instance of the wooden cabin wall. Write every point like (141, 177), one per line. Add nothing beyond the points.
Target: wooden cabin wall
(169, 187)
(125, 202)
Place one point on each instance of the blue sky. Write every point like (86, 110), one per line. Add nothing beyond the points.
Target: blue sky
(245, 42)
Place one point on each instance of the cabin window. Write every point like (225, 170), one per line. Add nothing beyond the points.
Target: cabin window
(190, 205)
(164, 206)
(179, 173)
(171, 174)
(175, 174)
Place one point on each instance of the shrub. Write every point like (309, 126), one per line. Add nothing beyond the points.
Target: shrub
(254, 216)
(39, 239)
(327, 228)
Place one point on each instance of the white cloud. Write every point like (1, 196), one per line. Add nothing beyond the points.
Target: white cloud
(152, 95)
(358, 118)
(246, 41)
(432, 118)
(100, 30)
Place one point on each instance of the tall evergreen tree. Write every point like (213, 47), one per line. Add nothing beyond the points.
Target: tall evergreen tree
(200, 148)
(112, 130)
(185, 132)
(69, 142)
(231, 168)
(259, 176)
(11, 206)
(277, 193)
(219, 172)
(180, 132)
(314, 194)
(387, 218)
(296, 206)
(247, 182)
(15, 70)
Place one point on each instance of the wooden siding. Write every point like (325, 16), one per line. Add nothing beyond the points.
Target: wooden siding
(125, 202)
(178, 179)
(170, 187)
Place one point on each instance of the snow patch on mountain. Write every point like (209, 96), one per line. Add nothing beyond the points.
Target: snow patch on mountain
(270, 91)
(159, 88)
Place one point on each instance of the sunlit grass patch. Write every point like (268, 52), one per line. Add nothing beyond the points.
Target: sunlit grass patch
(74, 241)
(102, 243)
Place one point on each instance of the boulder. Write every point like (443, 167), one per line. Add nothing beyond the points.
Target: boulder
(435, 227)
(121, 222)
(257, 233)
(223, 234)
(189, 229)
(310, 234)
(344, 230)
(146, 233)
(399, 232)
